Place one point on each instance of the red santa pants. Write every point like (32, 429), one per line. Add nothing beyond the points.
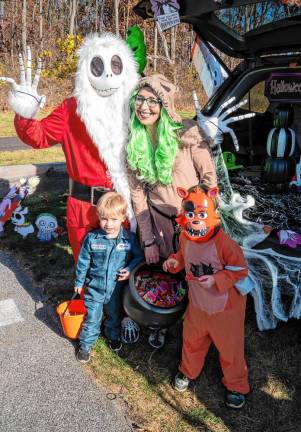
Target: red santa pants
(81, 218)
(226, 330)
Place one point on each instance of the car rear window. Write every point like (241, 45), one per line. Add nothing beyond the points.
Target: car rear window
(245, 18)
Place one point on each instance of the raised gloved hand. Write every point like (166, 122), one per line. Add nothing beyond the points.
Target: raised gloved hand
(24, 98)
(215, 126)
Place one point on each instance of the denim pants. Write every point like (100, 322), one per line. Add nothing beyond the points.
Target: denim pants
(91, 327)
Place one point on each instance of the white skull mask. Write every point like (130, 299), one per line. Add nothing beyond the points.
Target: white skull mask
(105, 65)
(105, 72)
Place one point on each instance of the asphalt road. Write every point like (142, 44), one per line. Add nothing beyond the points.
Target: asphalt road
(42, 386)
(12, 144)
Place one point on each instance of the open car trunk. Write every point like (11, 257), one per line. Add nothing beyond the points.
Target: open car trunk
(265, 35)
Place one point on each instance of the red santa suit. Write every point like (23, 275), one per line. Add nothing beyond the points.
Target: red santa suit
(82, 160)
(91, 126)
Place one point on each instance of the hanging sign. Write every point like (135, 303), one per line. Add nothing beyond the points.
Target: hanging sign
(283, 87)
(166, 12)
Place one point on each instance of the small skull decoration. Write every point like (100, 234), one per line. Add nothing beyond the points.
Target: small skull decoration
(47, 227)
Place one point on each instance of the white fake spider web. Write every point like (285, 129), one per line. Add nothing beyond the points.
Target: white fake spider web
(277, 277)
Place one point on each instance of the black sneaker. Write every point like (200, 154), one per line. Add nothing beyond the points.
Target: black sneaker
(83, 356)
(157, 338)
(234, 399)
(115, 345)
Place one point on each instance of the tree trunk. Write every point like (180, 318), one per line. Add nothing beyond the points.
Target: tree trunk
(164, 42)
(101, 23)
(116, 7)
(24, 27)
(72, 16)
(155, 48)
(41, 25)
(96, 15)
(173, 44)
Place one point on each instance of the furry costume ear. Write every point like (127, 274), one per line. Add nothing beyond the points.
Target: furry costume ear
(212, 192)
(182, 192)
(135, 40)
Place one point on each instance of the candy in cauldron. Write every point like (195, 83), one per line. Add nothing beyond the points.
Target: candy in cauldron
(161, 299)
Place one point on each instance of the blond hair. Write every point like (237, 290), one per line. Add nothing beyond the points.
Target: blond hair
(111, 204)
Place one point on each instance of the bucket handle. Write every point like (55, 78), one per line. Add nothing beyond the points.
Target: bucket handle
(72, 298)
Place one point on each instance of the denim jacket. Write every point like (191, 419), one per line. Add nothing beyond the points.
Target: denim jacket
(101, 258)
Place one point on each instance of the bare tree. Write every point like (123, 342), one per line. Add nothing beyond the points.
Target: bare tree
(155, 48)
(164, 43)
(116, 8)
(24, 27)
(41, 24)
(73, 9)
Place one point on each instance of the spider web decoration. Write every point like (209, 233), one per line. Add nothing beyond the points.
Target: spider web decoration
(277, 278)
(278, 210)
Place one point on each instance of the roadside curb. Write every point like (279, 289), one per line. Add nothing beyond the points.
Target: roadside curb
(53, 176)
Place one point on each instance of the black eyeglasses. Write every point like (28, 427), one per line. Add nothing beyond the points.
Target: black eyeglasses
(151, 102)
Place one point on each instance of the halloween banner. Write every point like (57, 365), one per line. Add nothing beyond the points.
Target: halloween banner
(283, 87)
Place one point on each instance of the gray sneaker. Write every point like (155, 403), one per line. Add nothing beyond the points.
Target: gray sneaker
(180, 382)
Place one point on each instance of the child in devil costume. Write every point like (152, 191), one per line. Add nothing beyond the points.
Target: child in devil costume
(214, 263)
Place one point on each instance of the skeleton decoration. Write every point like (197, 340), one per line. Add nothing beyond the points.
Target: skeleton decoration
(14, 197)
(21, 226)
(274, 276)
(47, 227)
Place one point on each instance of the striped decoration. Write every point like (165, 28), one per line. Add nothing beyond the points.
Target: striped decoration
(283, 117)
(279, 170)
(281, 142)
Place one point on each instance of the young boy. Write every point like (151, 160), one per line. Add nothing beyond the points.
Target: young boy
(106, 258)
(214, 263)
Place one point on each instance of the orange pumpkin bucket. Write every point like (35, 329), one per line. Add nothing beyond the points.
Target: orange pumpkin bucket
(72, 314)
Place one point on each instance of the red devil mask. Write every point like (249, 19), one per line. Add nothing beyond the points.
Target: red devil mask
(198, 218)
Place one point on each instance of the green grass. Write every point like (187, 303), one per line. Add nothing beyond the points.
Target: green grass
(30, 156)
(7, 124)
(7, 128)
(21, 157)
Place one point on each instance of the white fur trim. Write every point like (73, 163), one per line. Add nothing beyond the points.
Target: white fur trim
(106, 118)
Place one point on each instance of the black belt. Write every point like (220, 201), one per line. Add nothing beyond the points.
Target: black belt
(82, 192)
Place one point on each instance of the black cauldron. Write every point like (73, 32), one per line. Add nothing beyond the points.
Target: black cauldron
(148, 315)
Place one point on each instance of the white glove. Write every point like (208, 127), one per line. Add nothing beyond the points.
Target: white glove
(215, 126)
(23, 98)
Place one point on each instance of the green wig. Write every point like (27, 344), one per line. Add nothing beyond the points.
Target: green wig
(153, 165)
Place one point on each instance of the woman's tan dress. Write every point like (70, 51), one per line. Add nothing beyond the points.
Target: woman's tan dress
(193, 163)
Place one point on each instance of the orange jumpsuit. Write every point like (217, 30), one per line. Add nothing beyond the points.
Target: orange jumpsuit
(216, 314)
